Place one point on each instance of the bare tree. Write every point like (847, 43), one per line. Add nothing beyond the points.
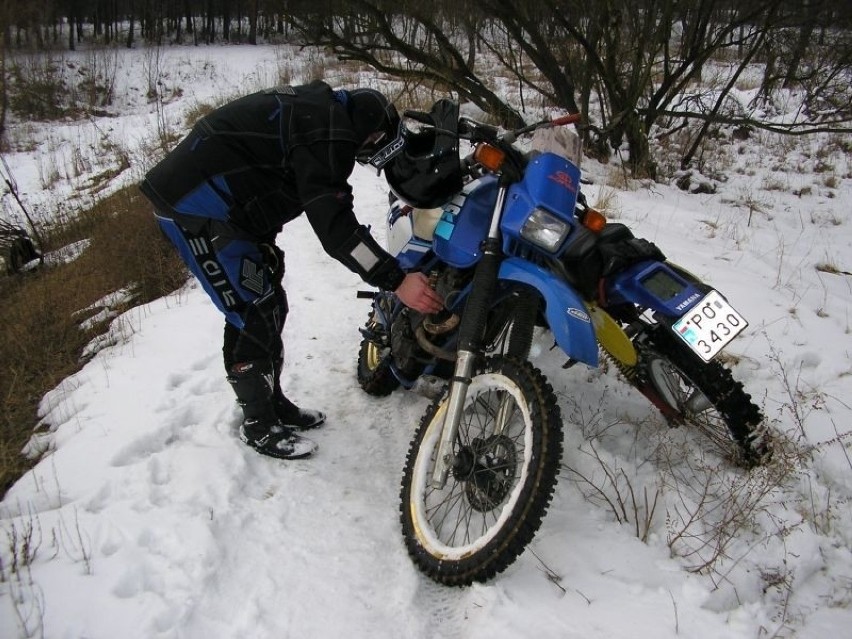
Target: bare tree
(4, 89)
(418, 45)
(253, 11)
(626, 64)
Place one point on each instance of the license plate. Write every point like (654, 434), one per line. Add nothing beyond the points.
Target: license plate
(710, 325)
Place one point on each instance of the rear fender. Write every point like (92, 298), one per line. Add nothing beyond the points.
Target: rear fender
(678, 292)
(565, 311)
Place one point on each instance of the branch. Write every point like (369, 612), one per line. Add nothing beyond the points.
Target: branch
(793, 128)
(368, 32)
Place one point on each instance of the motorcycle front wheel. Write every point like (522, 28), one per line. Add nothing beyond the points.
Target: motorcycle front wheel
(503, 471)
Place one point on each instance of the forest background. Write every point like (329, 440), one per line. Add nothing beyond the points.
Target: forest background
(627, 65)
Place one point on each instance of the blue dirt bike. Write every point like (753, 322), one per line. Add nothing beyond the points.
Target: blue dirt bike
(509, 242)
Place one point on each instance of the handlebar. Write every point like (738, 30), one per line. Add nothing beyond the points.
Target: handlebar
(475, 131)
(571, 118)
(478, 132)
(420, 116)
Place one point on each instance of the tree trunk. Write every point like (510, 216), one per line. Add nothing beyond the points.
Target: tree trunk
(72, 20)
(4, 93)
(252, 37)
(190, 27)
(802, 43)
(226, 22)
(131, 21)
(640, 161)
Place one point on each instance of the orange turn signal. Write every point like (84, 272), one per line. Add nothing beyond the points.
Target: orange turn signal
(489, 157)
(594, 220)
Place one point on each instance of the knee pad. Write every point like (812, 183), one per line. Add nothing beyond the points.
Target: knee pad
(260, 337)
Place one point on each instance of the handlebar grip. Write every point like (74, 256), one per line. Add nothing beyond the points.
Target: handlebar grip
(571, 118)
(476, 131)
(420, 116)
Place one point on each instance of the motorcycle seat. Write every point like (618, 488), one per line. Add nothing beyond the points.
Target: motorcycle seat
(615, 232)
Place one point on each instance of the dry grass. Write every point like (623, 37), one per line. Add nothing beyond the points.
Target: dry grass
(607, 202)
(41, 340)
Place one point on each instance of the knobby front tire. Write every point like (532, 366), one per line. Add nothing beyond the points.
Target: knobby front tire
(500, 482)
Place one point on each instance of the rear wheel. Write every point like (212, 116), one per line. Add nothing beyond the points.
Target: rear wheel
(705, 396)
(505, 462)
(374, 358)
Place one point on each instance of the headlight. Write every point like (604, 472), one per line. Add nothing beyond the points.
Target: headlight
(545, 230)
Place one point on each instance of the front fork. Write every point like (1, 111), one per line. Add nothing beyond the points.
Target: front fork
(470, 341)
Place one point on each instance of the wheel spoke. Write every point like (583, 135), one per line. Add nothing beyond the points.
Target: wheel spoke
(450, 511)
(438, 513)
(467, 507)
(504, 413)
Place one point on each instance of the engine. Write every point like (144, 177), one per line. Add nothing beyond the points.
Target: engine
(418, 340)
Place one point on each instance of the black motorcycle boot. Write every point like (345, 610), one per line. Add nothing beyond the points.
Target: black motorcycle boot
(288, 413)
(261, 428)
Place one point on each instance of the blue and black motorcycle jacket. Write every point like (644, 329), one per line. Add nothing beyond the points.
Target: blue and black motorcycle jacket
(256, 163)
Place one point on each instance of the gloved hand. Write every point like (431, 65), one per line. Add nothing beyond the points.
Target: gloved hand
(416, 293)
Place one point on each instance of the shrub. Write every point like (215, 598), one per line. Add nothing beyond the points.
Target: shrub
(42, 341)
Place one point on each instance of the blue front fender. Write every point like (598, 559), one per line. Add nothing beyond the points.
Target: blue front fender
(566, 314)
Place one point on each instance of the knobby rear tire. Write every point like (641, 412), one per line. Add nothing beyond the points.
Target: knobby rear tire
(374, 373)
(729, 420)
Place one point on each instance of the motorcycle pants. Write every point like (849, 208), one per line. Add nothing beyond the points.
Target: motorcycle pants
(243, 279)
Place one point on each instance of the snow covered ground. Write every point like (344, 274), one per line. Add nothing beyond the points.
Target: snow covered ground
(148, 518)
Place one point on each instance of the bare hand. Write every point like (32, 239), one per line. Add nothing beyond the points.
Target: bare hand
(416, 293)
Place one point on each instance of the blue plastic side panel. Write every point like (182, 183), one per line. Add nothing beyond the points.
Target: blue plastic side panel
(464, 223)
(565, 311)
(413, 254)
(551, 182)
(628, 286)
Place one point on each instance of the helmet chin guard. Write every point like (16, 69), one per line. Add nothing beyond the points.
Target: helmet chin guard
(388, 152)
(374, 120)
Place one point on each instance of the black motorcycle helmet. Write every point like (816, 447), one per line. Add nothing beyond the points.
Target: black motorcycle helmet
(423, 167)
(374, 119)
